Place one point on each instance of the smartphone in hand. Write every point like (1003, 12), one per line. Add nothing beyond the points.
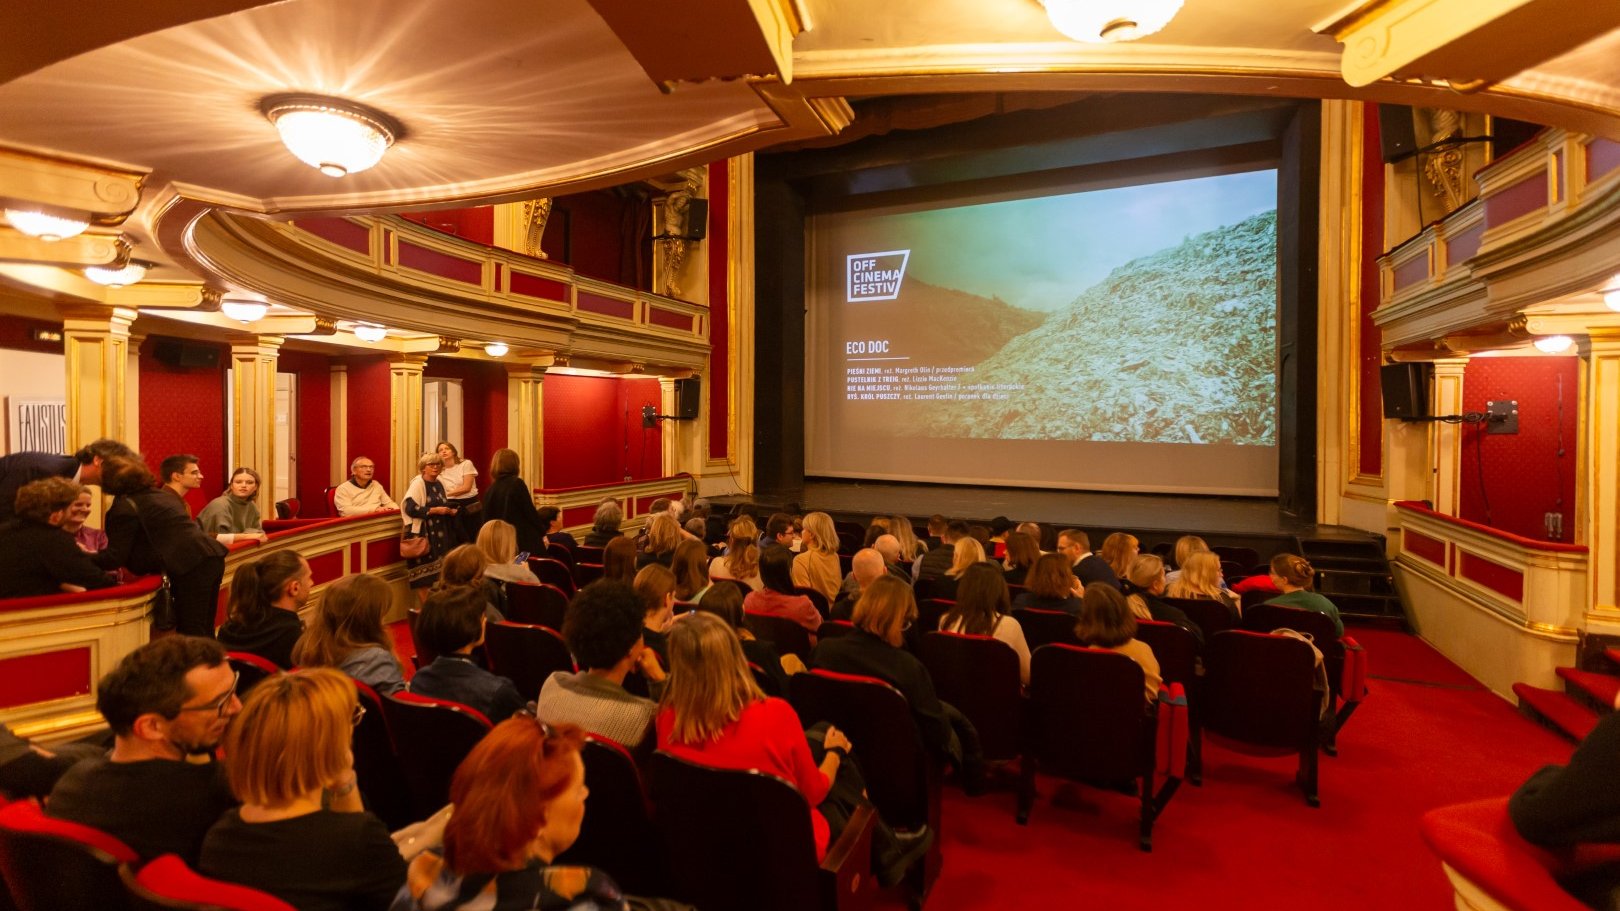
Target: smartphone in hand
(522, 558)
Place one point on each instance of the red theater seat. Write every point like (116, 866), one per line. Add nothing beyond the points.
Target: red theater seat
(1490, 866)
(167, 883)
(52, 865)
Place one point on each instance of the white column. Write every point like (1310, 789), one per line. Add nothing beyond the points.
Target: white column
(525, 420)
(1445, 447)
(405, 418)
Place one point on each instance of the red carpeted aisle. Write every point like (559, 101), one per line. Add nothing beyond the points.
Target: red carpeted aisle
(1426, 736)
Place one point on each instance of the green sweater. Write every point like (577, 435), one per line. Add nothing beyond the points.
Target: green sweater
(1309, 600)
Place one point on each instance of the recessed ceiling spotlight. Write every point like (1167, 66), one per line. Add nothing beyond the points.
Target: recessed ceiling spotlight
(45, 225)
(334, 136)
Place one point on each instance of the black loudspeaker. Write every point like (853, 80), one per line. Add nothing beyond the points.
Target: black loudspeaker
(1396, 132)
(687, 393)
(184, 354)
(697, 221)
(1406, 390)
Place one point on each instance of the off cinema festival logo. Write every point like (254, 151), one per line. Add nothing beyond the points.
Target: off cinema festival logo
(875, 276)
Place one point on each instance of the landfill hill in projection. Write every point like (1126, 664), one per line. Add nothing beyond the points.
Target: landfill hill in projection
(954, 327)
(1178, 346)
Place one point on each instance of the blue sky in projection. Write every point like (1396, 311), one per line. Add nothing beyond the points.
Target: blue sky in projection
(1041, 253)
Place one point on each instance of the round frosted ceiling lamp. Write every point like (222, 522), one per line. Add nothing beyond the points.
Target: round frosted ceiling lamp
(46, 226)
(369, 333)
(1612, 298)
(1108, 21)
(496, 349)
(334, 136)
(1553, 344)
(118, 276)
(244, 311)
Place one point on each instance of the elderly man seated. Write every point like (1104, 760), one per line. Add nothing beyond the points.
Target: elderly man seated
(867, 565)
(360, 495)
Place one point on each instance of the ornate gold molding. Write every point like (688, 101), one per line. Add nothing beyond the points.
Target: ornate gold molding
(106, 194)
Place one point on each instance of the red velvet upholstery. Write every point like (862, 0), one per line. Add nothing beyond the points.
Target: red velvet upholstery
(1479, 842)
(586, 572)
(617, 835)
(431, 737)
(288, 508)
(979, 676)
(376, 765)
(331, 502)
(1044, 627)
(50, 864)
(142, 586)
(526, 654)
(785, 634)
(542, 605)
(1260, 697)
(1177, 652)
(168, 883)
(553, 572)
(252, 668)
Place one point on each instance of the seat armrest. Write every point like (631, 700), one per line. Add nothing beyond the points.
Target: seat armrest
(1170, 753)
(1353, 681)
(846, 872)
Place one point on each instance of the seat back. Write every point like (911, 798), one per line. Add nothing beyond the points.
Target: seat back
(1211, 616)
(167, 883)
(553, 572)
(526, 654)
(617, 835)
(831, 629)
(1243, 556)
(979, 676)
(376, 766)
(901, 778)
(1263, 618)
(765, 836)
(1087, 715)
(541, 605)
(1260, 689)
(330, 493)
(1175, 649)
(424, 653)
(785, 634)
(742, 587)
(51, 864)
(929, 610)
(823, 607)
(585, 572)
(252, 669)
(1044, 627)
(562, 553)
(431, 737)
(587, 554)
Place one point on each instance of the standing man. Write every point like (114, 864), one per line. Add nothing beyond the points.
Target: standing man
(83, 467)
(149, 530)
(181, 474)
(360, 495)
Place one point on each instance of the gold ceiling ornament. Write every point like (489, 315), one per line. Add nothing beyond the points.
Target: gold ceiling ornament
(448, 345)
(536, 212)
(324, 325)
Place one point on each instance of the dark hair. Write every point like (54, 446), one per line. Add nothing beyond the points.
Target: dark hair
(1105, 617)
(1022, 550)
(956, 528)
(452, 618)
(981, 599)
(776, 569)
(778, 523)
(1050, 577)
(1295, 570)
(36, 500)
(503, 464)
(256, 586)
(691, 567)
(153, 679)
(603, 624)
(453, 450)
(873, 532)
(124, 475)
(548, 515)
(725, 601)
(980, 533)
(619, 560)
(103, 449)
(1000, 525)
(175, 464)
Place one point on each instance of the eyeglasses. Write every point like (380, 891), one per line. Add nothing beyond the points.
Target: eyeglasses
(218, 705)
(359, 713)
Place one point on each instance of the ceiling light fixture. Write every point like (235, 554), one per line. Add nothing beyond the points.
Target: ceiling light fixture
(245, 311)
(334, 136)
(1553, 344)
(1612, 298)
(1108, 21)
(366, 332)
(46, 226)
(496, 349)
(118, 276)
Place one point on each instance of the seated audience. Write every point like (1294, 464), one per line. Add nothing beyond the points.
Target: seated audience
(452, 625)
(691, 568)
(1144, 584)
(906, 536)
(90, 539)
(663, 533)
(1088, 567)
(1296, 578)
(347, 633)
(1022, 553)
(30, 770)
(741, 561)
(726, 602)
(619, 560)
(1118, 550)
(715, 527)
(817, 566)
(965, 552)
(83, 467)
(1200, 578)
(778, 530)
(464, 568)
(605, 525)
(777, 598)
(893, 553)
(1563, 807)
(551, 520)
(660, 507)
(603, 629)
(301, 833)
(714, 714)
(1036, 533)
(361, 495)
(37, 557)
(1000, 527)
(866, 565)
(510, 499)
(150, 531)
(655, 586)
(234, 515)
(168, 703)
(1051, 585)
(1106, 622)
(936, 531)
(940, 557)
(982, 608)
(266, 596)
(520, 799)
(497, 541)
(1186, 546)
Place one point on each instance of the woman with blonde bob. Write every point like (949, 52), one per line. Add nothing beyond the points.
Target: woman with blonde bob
(663, 534)
(1186, 546)
(1143, 583)
(1200, 578)
(347, 633)
(816, 566)
(301, 833)
(497, 541)
(714, 714)
(741, 560)
(1118, 550)
(967, 552)
(1106, 622)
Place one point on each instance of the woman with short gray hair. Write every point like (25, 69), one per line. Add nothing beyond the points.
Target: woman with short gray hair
(428, 514)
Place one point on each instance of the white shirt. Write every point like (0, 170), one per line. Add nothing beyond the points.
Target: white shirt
(452, 478)
(1008, 631)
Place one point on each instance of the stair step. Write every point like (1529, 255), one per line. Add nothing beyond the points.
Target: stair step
(1599, 688)
(1559, 709)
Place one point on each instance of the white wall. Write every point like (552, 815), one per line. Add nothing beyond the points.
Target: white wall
(29, 376)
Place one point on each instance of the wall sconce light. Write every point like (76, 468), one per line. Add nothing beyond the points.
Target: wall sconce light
(1553, 344)
(1611, 298)
(1109, 21)
(118, 276)
(334, 136)
(245, 311)
(496, 349)
(367, 332)
(46, 226)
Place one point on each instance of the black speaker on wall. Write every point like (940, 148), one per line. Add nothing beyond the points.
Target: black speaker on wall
(185, 354)
(697, 220)
(1406, 390)
(687, 395)
(1396, 132)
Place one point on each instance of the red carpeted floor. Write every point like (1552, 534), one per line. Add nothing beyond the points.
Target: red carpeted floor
(1427, 736)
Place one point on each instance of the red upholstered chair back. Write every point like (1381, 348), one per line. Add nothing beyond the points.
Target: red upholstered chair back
(167, 883)
(376, 767)
(587, 554)
(1210, 616)
(617, 835)
(979, 676)
(1087, 714)
(555, 573)
(587, 572)
(288, 508)
(252, 669)
(785, 634)
(425, 653)
(1259, 690)
(526, 654)
(51, 864)
(331, 501)
(830, 629)
(431, 737)
(542, 605)
(1263, 618)
(562, 553)
(1044, 627)
(929, 610)
(1175, 649)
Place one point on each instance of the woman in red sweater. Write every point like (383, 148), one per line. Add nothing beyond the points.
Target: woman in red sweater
(715, 715)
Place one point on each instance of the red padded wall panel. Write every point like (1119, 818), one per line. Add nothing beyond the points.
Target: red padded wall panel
(313, 440)
(369, 419)
(476, 225)
(1524, 477)
(183, 410)
(593, 432)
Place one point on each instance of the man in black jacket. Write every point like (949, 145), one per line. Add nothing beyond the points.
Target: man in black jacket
(149, 530)
(36, 556)
(1088, 567)
(83, 467)
(1562, 806)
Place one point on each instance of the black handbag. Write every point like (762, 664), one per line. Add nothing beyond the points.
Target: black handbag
(163, 615)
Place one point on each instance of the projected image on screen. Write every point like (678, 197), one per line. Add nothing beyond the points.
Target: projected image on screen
(1142, 314)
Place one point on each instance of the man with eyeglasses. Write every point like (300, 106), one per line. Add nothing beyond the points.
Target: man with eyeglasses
(158, 791)
(360, 495)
